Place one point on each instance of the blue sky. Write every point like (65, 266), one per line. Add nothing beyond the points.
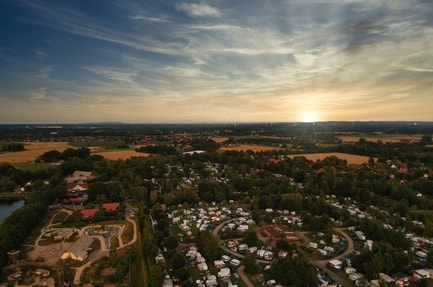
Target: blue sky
(215, 61)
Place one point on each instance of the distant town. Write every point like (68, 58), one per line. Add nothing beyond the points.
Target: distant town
(217, 204)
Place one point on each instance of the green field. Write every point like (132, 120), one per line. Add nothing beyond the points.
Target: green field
(106, 144)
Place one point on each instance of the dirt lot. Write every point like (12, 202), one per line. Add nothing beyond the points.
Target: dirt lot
(350, 158)
(33, 150)
(123, 154)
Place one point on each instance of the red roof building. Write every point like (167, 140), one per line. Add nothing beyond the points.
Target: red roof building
(77, 200)
(111, 206)
(276, 231)
(87, 213)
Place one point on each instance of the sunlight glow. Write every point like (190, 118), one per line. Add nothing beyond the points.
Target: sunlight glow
(309, 116)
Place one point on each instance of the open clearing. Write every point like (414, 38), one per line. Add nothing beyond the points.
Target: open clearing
(350, 158)
(33, 150)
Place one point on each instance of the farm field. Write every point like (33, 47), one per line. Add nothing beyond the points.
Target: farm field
(382, 137)
(244, 147)
(121, 154)
(350, 158)
(219, 139)
(33, 150)
(98, 144)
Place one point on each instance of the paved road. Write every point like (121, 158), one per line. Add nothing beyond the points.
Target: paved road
(244, 277)
(319, 263)
(322, 263)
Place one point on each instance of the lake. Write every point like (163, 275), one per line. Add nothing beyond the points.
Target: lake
(7, 207)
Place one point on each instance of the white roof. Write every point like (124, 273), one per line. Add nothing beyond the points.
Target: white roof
(335, 262)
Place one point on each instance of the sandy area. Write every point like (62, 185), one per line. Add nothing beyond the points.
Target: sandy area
(50, 253)
(350, 158)
(33, 150)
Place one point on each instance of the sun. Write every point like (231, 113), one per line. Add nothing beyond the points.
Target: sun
(309, 117)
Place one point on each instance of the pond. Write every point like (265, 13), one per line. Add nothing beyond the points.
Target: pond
(7, 207)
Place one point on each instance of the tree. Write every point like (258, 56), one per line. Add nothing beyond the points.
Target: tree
(251, 237)
(183, 274)
(251, 266)
(294, 272)
(170, 242)
(207, 243)
(156, 275)
(178, 261)
(283, 245)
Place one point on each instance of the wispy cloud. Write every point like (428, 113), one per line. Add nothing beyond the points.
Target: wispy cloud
(40, 94)
(186, 60)
(199, 9)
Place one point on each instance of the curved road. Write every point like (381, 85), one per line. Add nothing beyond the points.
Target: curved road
(319, 263)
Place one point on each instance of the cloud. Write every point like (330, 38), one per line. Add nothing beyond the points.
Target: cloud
(149, 19)
(45, 73)
(39, 94)
(417, 69)
(40, 55)
(199, 10)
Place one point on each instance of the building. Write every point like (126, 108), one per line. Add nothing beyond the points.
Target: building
(79, 250)
(88, 213)
(79, 176)
(276, 231)
(111, 206)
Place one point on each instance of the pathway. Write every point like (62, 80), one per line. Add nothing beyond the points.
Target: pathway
(318, 263)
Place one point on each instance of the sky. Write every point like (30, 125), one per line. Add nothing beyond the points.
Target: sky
(215, 61)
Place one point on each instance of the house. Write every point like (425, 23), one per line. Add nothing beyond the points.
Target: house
(79, 176)
(111, 206)
(88, 213)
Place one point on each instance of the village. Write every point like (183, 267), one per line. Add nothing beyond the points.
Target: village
(210, 217)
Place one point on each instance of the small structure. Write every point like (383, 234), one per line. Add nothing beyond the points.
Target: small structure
(336, 264)
(13, 256)
(87, 213)
(111, 206)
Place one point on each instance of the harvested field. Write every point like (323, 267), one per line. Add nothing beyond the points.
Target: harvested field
(350, 158)
(252, 147)
(219, 139)
(33, 150)
(383, 138)
(122, 154)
